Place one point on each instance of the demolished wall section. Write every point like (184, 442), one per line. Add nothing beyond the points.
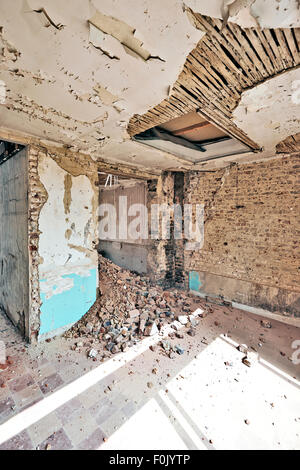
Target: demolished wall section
(166, 255)
(37, 197)
(251, 251)
(62, 239)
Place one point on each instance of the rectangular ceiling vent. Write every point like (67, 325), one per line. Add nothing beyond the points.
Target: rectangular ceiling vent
(192, 138)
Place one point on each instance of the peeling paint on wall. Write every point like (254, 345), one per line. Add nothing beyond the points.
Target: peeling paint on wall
(55, 99)
(69, 263)
(67, 195)
(66, 306)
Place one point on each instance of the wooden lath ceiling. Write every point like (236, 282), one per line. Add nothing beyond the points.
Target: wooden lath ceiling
(289, 145)
(225, 63)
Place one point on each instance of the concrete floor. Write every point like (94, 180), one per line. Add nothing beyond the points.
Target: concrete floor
(54, 398)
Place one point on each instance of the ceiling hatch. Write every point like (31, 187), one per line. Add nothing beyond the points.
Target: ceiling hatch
(192, 138)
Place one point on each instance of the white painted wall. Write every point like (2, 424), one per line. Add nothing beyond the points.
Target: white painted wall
(62, 257)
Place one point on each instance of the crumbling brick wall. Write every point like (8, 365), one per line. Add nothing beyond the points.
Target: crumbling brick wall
(166, 256)
(74, 165)
(37, 196)
(251, 251)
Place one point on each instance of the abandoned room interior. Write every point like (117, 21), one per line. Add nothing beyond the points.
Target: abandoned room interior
(150, 225)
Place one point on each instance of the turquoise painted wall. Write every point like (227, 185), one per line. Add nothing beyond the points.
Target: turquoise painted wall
(194, 281)
(69, 306)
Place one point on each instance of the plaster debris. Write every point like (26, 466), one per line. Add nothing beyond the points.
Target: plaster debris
(128, 309)
(266, 324)
(93, 353)
(200, 312)
(251, 359)
(243, 348)
(183, 319)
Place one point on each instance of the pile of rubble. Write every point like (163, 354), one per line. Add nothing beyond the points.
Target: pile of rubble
(129, 307)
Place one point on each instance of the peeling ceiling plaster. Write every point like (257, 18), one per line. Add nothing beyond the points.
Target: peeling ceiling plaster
(60, 87)
(251, 13)
(270, 112)
(68, 81)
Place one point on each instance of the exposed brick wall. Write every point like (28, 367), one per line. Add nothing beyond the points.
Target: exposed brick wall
(37, 196)
(252, 230)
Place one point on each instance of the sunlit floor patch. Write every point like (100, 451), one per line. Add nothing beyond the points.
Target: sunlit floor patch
(205, 398)
(213, 405)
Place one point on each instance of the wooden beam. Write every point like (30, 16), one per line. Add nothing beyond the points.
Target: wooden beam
(194, 127)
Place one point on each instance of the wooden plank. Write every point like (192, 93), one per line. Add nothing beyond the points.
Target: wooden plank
(207, 66)
(218, 39)
(194, 127)
(292, 45)
(296, 32)
(233, 34)
(284, 50)
(276, 66)
(260, 58)
(269, 37)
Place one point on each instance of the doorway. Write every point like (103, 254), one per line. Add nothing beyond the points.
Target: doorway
(14, 257)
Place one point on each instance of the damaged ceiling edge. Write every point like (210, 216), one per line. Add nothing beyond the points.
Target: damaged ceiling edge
(250, 13)
(58, 149)
(255, 112)
(161, 113)
(290, 144)
(86, 136)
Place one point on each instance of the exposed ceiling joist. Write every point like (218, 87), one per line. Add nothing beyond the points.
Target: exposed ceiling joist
(226, 62)
(194, 127)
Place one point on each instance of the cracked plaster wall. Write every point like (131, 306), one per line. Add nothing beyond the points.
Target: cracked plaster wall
(63, 236)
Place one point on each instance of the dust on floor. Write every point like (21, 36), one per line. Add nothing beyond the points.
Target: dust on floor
(52, 397)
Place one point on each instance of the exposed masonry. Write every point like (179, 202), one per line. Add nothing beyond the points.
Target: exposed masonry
(166, 257)
(251, 229)
(251, 239)
(74, 164)
(289, 145)
(37, 197)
